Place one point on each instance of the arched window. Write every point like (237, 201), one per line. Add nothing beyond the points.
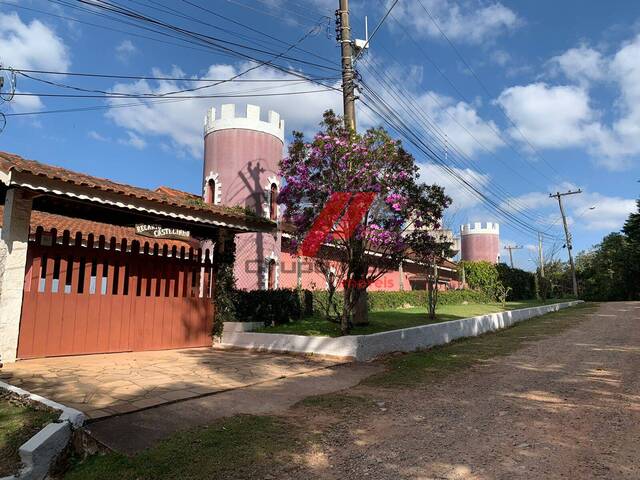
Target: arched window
(271, 275)
(211, 191)
(273, 206)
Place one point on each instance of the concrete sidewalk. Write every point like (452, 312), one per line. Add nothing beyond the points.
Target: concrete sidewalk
(112, 384)
(136, 431)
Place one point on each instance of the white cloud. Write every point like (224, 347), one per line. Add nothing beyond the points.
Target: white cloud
(500, 57)
(32, 45)
(462, 198)
(587, 210)
(549, 116)
(563, 116)
(581, 64)
(181, 121)
(526, 202)
(133, 140)
(465, 129)
(609, 213)
(470, 22)
(125, 50)
(21, 103)
(97, 136)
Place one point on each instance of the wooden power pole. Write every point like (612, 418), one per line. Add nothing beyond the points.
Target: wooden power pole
(567, 235)
(346, 48)
(540, 255)
(511, 248)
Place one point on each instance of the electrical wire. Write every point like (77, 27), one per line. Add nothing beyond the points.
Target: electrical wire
(484, 87)
(390, 117)
(461, 95)
(169, 79)
(375, 30)
(403, 97)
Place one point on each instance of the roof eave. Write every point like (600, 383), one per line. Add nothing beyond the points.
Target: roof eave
(62, 188)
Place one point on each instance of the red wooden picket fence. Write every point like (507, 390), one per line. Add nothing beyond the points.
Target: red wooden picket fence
(82, 296)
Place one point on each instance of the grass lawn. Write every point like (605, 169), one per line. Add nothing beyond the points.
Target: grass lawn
(18, 423)
(239, 447)
(247, 446)
(395, 319)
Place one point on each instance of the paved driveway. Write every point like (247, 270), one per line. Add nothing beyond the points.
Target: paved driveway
(110, 384)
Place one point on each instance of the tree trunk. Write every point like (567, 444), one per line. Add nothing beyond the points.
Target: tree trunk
(360, 310)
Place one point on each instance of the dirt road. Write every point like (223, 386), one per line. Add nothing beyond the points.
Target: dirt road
(567, 406)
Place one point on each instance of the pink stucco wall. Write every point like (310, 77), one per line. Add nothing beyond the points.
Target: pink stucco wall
(476, 247)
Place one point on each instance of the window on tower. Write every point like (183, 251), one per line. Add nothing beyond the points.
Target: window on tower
(211, 191)
(271, 275)
(273, 206)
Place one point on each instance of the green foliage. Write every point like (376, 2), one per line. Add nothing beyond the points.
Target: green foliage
(225, 285)
(611, 270)
(380, 301)
(482, 276)
(494, 280)
(521, 282)
(603, 272)
(277, 306)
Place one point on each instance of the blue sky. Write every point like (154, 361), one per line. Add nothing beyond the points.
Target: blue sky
(552, 100)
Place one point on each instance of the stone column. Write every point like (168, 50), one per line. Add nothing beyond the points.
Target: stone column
(13, 250)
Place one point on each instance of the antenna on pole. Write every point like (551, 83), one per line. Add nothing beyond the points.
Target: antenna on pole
(360, 44)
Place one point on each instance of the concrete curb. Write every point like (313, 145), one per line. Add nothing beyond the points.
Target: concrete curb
(40, 451)
(368, 347)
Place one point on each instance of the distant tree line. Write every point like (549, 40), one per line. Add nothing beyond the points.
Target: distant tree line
(611, 269)
(608, 271)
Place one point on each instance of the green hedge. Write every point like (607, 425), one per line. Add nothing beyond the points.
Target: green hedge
(378, 301)
(522, 283)
(277, 306)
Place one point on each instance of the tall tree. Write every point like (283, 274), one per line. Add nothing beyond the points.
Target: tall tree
(337, 161)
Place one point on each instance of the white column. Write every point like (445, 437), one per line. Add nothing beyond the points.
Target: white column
(14, 238)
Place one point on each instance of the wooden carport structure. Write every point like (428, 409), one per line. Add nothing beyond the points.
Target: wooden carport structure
(67, 290)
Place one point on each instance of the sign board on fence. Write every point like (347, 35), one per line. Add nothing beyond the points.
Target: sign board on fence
(158, 231)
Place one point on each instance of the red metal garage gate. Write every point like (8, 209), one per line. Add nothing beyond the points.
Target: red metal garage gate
(82, 297)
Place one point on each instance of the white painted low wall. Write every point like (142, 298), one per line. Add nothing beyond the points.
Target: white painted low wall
(40, 451)
(230, 327)
(368, 347)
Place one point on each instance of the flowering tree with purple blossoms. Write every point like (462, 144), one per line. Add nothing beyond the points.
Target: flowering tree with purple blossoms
(402, 214)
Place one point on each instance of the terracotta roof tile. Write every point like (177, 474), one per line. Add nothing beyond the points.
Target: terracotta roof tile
(165, 195)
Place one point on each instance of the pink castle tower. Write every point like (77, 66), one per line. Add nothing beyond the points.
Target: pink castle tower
(241, 156)
(480, 242)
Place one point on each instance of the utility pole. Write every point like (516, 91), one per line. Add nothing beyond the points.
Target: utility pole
(346, 47)
(567, 235)
(511, 248)
(540, 254)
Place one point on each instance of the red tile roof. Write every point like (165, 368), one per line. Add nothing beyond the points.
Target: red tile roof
(164, 195)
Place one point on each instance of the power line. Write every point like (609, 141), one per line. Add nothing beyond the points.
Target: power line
(184, 97)
(406, 98)
(482, 84)
(461, 95)
(171, 79)
(391, 118)
(375, 30)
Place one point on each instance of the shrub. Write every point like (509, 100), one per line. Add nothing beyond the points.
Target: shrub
(521, 282)
(481, 276)
(277, 306)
